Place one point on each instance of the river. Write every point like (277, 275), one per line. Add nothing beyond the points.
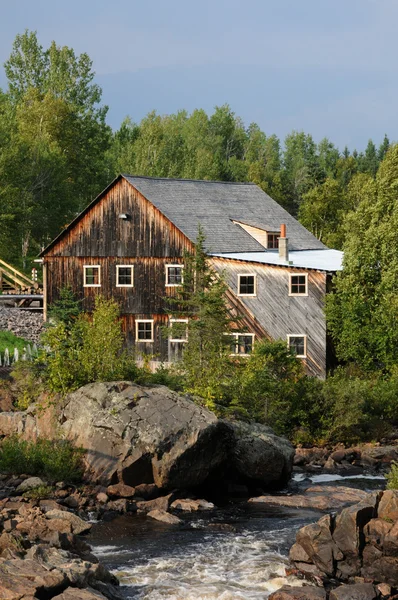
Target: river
(238, 552)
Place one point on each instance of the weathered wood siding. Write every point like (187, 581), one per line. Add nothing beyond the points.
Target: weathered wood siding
(100, 232)
(279, 314)
(147, 241)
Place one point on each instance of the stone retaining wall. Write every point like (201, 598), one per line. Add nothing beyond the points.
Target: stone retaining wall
(22, 323)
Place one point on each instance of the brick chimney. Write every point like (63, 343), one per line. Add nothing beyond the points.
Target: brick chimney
(283, 244)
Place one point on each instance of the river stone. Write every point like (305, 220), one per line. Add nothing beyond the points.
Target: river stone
(350, 522)
(76, 594)
(375, 532)
(317, 542)
(78, 525)
(164, 517)
(319, 497)
(306, 592)
(152, 435)
(358, 591)
(189, 505)
(30, 484)
(388, 506)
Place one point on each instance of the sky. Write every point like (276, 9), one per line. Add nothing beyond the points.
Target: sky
(326, 67)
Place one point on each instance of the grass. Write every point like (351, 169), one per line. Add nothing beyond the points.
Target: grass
(55, 460)
(11, 341)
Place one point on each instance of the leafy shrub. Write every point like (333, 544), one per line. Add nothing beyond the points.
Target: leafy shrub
(39, 493)
(162, 376)
(27, 383)
(56, 460)
(87, 350)
(392, 477)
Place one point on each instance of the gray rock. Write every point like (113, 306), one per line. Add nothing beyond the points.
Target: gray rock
(152, 435)
(259, 454)
(188, 505)
(306, 592)
(164, 517)
(357, 591)
(78, 525)
(30, 484)
(319, 497)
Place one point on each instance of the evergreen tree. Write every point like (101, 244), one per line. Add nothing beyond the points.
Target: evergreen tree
(206, 364)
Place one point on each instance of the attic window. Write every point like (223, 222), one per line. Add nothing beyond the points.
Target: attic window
(174, 275)
(273, 240)
(298, 343)
(247, 285)
(92, 275)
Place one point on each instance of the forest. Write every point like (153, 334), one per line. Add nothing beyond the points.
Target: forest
(57, 153)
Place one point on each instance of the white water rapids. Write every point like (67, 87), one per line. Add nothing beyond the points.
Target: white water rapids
(236, 553)
(246, 561)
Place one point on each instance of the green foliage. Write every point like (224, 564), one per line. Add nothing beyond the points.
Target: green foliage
(363, 310)
(56, 460)
(53, 142)
(267, 381)
(39, 493)
(90, 349)
(27, 383)
(392, 476)
(11, 341)
(206, 365)
(170, 377)
(66, 309)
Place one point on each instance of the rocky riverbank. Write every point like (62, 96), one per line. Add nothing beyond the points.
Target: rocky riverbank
(358, 546)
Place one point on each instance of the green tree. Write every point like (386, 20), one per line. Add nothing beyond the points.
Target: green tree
(363, 310)
(322, 211)
(52, 154)
(206, 363)
(268, 384)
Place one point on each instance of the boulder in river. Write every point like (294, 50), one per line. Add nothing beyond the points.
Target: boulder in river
(152, 435)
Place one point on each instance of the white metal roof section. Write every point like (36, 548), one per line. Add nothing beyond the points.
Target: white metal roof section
(321, 260)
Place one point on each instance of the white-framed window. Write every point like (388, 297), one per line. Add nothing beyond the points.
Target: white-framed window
(124, 276)
(242, 343)
(298, 284)
(247, 285)
(144, 330)
(180, 330)
(298, 343)
(92, 275)
(174, 275)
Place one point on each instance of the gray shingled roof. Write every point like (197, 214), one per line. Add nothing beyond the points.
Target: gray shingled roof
(215, 205)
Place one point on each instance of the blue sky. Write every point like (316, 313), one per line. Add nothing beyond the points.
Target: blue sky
(328, 67)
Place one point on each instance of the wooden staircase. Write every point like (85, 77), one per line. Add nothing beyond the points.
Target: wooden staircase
(13, 281)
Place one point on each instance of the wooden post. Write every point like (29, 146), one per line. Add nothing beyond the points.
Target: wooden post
(44, 291)
(1, 280)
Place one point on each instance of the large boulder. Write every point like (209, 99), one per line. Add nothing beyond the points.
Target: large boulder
(260, 455)
(137, 434)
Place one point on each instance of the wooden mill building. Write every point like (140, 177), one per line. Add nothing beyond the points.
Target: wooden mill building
(129, 244)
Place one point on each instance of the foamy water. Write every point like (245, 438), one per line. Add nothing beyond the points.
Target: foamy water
(236, 553)
(233, 566)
